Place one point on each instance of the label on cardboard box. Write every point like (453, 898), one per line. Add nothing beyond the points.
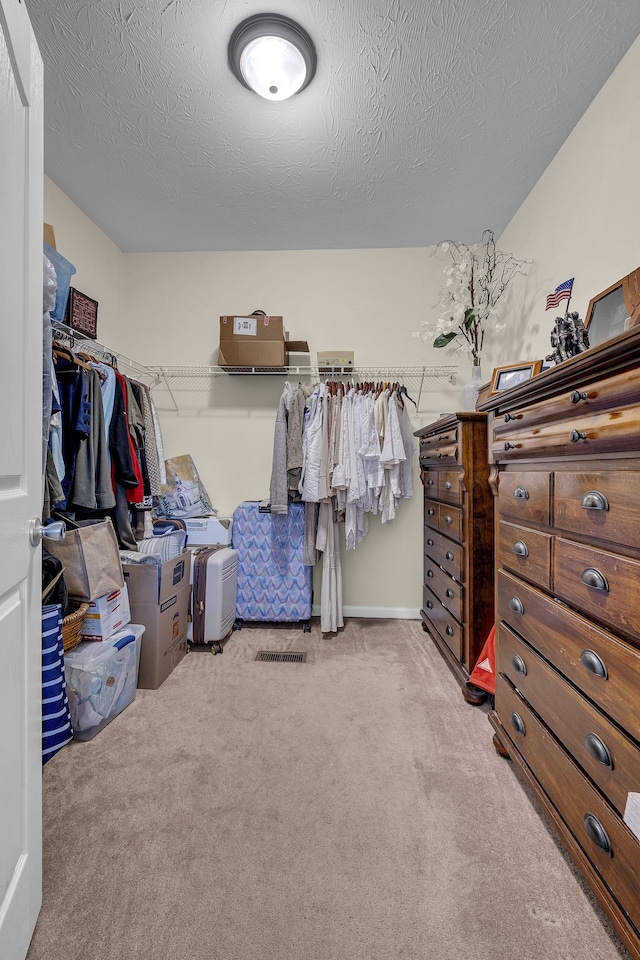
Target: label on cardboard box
(245, 326)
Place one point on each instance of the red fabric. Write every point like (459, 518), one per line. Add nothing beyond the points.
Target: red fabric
(483, 674)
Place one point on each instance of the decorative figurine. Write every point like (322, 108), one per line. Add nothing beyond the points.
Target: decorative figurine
(568, 337)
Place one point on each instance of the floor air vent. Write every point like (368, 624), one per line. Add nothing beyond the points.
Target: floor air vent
(273, 656)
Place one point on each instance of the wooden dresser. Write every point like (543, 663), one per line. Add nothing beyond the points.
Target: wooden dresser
(457, 607)
(565, 449)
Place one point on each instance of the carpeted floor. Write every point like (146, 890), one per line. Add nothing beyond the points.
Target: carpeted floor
(349, 808)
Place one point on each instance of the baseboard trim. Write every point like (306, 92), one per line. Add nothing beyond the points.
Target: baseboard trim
(375, 613)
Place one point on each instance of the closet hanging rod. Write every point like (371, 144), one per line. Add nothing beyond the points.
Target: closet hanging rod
(359, 372)
(124, 364)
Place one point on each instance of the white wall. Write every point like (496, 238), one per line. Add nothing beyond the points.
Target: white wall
(579, 220)
(368, 301)
(98, 261)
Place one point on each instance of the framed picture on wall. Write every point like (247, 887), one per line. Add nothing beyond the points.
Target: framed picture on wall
(512, 374)
(614, 310)
(82, 314)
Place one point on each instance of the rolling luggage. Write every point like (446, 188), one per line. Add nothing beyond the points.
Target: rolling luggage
(214, 575)
(274, 585)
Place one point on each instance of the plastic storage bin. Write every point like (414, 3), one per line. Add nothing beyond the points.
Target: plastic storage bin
(64, 271)
(101, 679)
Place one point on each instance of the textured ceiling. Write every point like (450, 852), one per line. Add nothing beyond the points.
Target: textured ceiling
(427, 119)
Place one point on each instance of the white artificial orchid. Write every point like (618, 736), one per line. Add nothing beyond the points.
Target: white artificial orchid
(476, 279)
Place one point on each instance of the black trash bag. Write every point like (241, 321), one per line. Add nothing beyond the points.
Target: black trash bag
(54, 589)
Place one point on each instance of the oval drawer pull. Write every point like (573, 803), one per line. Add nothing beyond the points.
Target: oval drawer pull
(430, 511)
(429, 573)
(593, 578)
(597, 833)
(594, 501)
(430, 482)
(447, 518)
(593, 663)
(518, 724)
(519, 664)
(429, 605)
(448, 555)
(449, 592)
(576, 396)
(577, 435)
(520, 548)
(515, 604)
(510, 416)
(429, 542)
(449, 631)
(520, 493)
(509, 446)
(598, 750)
(447, 484)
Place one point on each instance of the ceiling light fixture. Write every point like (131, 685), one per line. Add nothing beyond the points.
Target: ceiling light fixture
(272, 55)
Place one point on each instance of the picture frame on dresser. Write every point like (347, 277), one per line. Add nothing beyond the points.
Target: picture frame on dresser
(614, 310)
(511, 374)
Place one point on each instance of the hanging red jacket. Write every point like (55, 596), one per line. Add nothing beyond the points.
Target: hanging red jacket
(134, 494)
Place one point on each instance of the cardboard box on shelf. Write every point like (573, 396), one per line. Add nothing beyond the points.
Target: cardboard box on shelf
(106, 615)
(159, 599)
(49, 235)
(256, 341)
(335, 360)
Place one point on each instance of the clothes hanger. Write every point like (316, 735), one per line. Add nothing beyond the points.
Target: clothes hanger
(62, 351)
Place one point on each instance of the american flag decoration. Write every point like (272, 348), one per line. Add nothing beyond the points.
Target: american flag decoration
(563, 292)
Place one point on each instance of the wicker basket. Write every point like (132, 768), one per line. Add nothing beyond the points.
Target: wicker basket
(72, 624)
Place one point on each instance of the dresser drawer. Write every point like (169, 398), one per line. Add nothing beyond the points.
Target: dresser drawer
(526, 552)
(445, 518)
(583, 434)
(444, 622)
(445, 552)
(598, 583)
(610, 758)
(605, 505)
(447, 590)
(605, 668)
(430, 482)
(581, 806)
(524, 496)
(450, 486)
(439, 448)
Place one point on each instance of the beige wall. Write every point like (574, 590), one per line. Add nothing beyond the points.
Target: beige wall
(579, 220)
(165, 308)
(368, 301)
(98, 261)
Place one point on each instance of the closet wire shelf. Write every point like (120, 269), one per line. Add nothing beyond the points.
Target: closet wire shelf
(173, 385)
(191, 380)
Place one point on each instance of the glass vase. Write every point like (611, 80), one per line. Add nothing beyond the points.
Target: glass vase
(471, 389)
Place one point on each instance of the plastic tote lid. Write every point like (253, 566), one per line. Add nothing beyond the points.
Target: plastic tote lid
(93, 651)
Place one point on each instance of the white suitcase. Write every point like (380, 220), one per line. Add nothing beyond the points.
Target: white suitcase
(214, 579)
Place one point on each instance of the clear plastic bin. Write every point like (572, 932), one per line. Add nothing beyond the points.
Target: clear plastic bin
(101, 679)
(64, 271)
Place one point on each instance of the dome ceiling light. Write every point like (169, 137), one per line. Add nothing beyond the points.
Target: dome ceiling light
(272, 55)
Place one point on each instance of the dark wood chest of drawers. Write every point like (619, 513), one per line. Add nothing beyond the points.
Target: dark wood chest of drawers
(457, 607)
(565, 449)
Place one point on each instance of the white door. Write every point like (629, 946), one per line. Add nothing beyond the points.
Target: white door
(21, 185)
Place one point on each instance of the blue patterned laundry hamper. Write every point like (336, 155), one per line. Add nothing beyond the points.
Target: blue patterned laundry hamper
(274, 585)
